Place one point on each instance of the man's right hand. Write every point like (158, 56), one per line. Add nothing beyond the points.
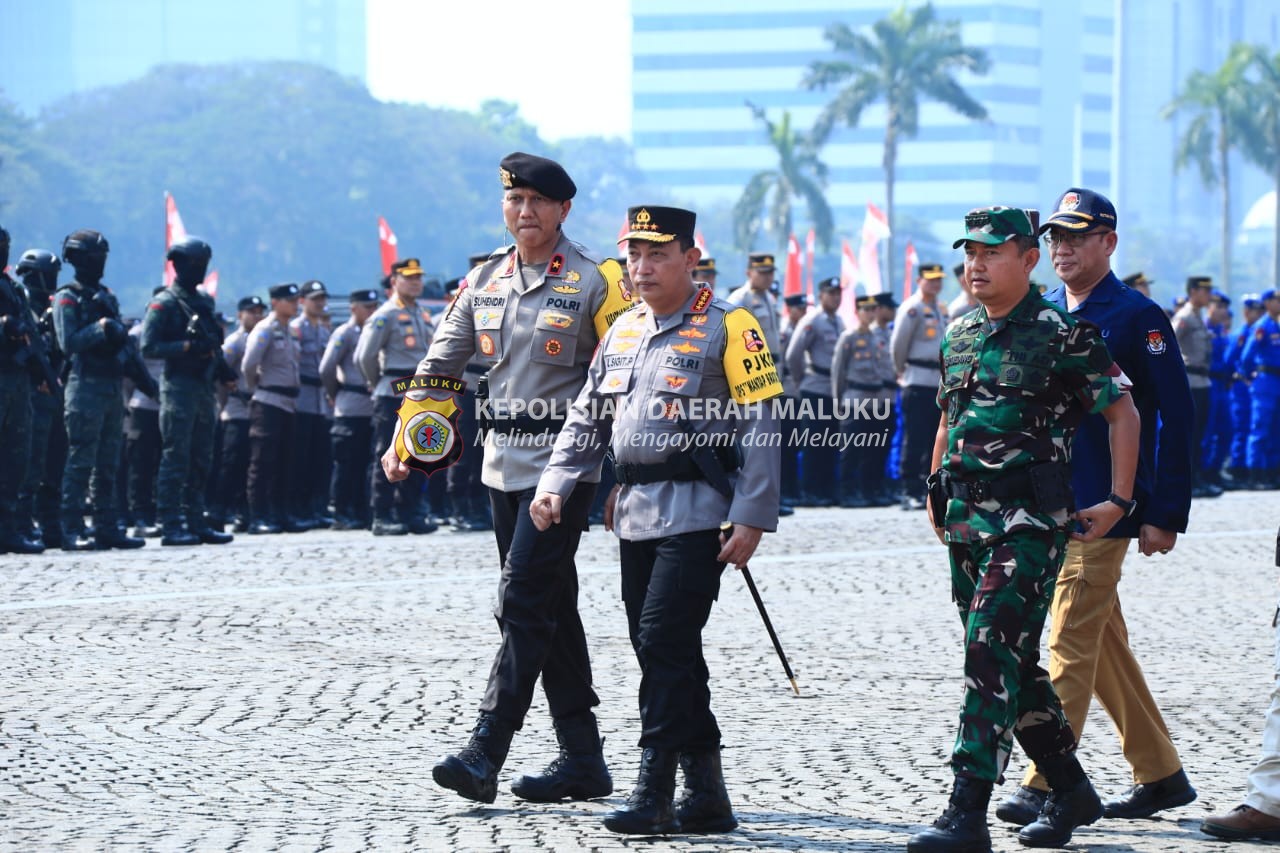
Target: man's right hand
(545, 509)
(393, 467)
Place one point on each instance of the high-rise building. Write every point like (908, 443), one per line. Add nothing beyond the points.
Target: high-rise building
(56, 47)
(1049, 94)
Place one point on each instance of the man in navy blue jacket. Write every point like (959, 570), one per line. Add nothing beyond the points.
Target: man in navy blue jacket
(1089, 644)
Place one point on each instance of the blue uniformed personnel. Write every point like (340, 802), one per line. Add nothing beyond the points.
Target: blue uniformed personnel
(352, 431)
(685, 466)
(1217, 444)
(270, 367)
(87, 319)
(533, 313)
(1241, 392)
(1260, 361)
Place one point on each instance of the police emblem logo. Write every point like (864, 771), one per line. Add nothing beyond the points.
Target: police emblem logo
(506, 177)
(686, 348)
(1070, 201)
(698, 319)
(571, 276)
(1155, 342)
(427, 437)
(752, 341)
(676, 382)
(492, 286)
(553, 347)
(486, 344)
(557, 320)
(691, 333)
(564, 288)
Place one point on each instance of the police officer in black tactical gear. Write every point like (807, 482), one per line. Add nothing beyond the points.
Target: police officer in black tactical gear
(86, 317)
(16, 331)
(39, 496)
(181, 329)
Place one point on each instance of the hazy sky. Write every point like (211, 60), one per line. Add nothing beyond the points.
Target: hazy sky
(567, 63)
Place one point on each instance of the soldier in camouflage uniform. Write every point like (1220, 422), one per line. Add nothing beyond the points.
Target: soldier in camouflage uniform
(1019, 376)
(86, 317)
(534, 313)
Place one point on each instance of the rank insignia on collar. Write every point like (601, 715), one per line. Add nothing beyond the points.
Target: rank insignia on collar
(571, 276)
(555, 265)
(691, 333)
(565, 288)
(686, 348)
(704, 299)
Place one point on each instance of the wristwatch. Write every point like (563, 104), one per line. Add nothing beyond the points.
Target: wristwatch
(1127, 506)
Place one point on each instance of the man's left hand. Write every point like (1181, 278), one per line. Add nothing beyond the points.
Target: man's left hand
(1096, 520)
(740, 546)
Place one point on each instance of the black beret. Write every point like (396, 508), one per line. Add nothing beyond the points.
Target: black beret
(284, 291)
(546, 176)
(250, 302)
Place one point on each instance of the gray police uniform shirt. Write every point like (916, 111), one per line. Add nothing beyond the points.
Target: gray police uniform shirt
(236, 408)
(271, 359)
(342, 378)
(812, 348)
(312, 338)
(651, 373)
(536, 331)
(1196, 343)
(155, 366)
(861, 368)
(785, 333)
(764, 308)
(916, 341)
(394, 339)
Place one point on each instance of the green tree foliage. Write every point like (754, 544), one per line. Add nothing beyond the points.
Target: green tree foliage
(907, 56)
(1218, 109)
(1259, 130)
(769, 198)
(284, 169)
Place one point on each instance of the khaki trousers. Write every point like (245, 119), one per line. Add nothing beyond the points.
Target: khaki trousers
(1089, 656)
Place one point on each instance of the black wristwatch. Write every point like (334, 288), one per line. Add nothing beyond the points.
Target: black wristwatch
(1127, 506)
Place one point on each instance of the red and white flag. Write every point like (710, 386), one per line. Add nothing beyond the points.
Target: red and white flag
(700, 243)
(875, 227)
(909, 271)
(174, 231)
(848, 284)
(386, 245)
(793, 282)
(808, 263)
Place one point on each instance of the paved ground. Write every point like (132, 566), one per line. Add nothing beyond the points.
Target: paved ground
(292, 692)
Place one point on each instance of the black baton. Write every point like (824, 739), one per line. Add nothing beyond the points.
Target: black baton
(726, 528)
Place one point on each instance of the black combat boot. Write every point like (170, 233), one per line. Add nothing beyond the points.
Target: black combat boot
(17, 542)
(210, 535)
(111, 534)
(578, 772)
(962, 826)
(648, 810)
(473, 772)
(704, 803)
(1072, 802)
(74, 536)
(177, 533)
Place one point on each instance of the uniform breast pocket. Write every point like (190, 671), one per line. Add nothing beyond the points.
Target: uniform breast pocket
(551, 346)
(678, 381)
(957, 376)
(489, 344)
(617, 381)
(1022, 378)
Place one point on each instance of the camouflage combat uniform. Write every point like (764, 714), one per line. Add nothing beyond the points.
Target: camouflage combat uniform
(1014, 391)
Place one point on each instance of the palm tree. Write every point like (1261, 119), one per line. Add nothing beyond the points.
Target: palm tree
(907, 55)
(1259, 133)
(1218, 107)
(799, 175)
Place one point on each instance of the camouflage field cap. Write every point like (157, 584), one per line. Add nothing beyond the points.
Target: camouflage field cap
(996, 225)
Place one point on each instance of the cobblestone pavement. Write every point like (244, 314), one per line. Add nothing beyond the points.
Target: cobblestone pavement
(292, 692)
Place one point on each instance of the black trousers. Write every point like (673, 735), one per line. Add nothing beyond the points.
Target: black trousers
(233, 468)
(1199, 424)
(920, 418)
(310, 467)
(143, 449)
(668, 587)
(351, 439)
(863, 460)
(537, 610)
(270, 432)
(820, 458)
(402, 501)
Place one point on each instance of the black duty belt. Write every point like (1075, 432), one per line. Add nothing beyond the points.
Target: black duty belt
(393, 373)
(821, 371)
(1013, 485)
(282, 390)
(476, 368)
(353, 387)
(679, 466)
(313, 381)
(525, 425)
(861, 386)
(1197, 371)
(924, 362)
(243, 396)
(1268, 369)
(891, 385)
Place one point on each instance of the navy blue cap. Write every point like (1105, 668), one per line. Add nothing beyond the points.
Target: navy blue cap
(832, 283)
(1219, 296)
(796, 300)
(1251, 300)
(1081, 211)
(1269, 294)
(886, 299)
(250, 302)
(284, 291)
(367, 295)
(313, 288)
(1195, 281)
